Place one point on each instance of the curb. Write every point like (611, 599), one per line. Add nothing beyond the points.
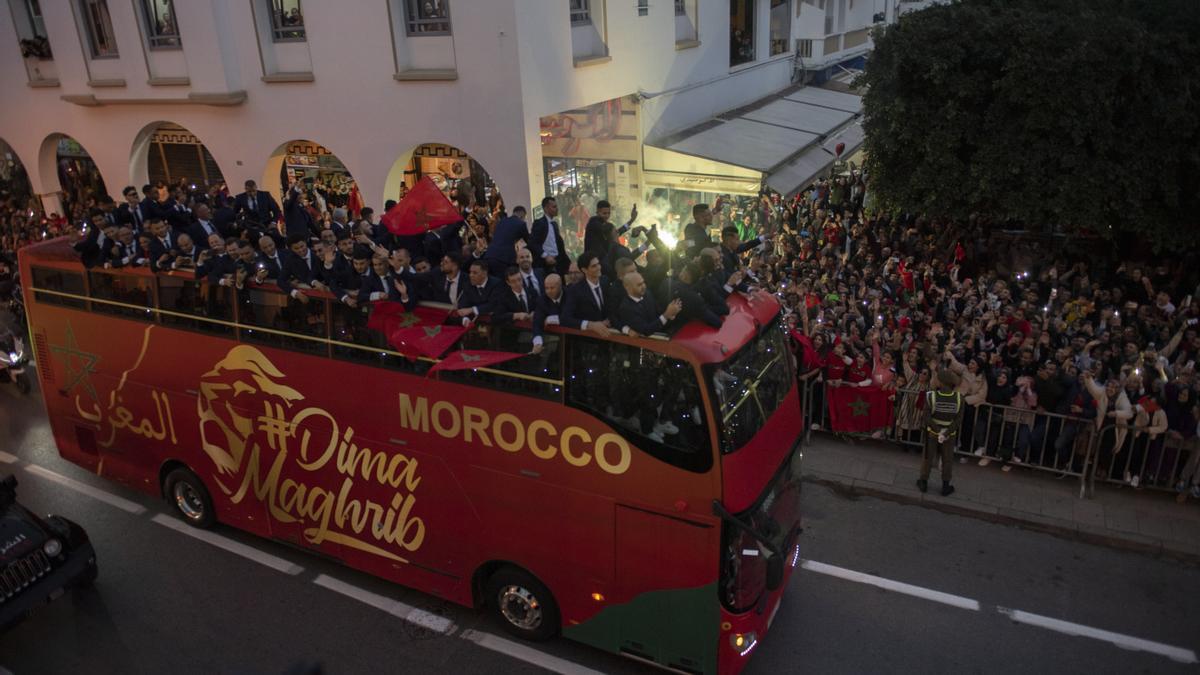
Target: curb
(1133, 543)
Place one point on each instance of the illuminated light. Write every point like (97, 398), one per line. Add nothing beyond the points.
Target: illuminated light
(744, 643)
(669, 239)
(598, 597)
(796, 555)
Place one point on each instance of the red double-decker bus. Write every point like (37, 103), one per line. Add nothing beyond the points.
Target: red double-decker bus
(640, 495)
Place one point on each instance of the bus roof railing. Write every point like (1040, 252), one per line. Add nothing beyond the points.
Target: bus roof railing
(695, 341)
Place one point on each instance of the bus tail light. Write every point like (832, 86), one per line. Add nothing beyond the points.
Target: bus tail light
(598, 597)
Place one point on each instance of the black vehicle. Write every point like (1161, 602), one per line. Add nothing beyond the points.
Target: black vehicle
(40, 558)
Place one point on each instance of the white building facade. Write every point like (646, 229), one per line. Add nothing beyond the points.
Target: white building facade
(540, 93)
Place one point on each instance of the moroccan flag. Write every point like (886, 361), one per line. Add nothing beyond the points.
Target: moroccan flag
(858, 409)
(354, 202)
(387, 316)
(466, 359)
(422, 209)
(425, 339)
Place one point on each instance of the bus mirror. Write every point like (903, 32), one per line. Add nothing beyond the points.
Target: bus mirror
(774, 572)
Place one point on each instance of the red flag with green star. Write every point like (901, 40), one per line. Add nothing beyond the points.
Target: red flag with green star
(422, 209)
(467, 359)
(425, 339)
(859, 409)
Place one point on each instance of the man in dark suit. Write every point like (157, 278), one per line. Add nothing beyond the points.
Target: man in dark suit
(546, 242)
(301, 268)
(258, 207)
(502, 251)
(514, 303)
(162, 245)
(296, 218)
(548, 310)
(273, 258)
(478, 299)
(348, 286)
(99, 238)
(599, 231)
(204, 227)
(531, 277)
(130, 213)
(381, 284)
(695, 233)
(124, 251)
(694, 305)
(732, 248)
(638, 313)
(585, 305)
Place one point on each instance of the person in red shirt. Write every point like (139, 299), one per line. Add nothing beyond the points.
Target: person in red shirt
(859, 373)
(836, 364)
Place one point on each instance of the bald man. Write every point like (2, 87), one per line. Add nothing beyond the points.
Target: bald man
(549, 305)
(638, 314)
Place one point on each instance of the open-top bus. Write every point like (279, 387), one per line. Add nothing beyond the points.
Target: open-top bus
(523, 487)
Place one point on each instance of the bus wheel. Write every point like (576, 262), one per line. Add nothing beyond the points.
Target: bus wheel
(190, 498)
(523, 604)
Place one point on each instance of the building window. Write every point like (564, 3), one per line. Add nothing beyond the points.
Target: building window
(287, 21)
(36, 24)
(680, 7)
(161, 29)
(741, 32)
(643, 7)
(781, 26)
(805, 48)
(427, 17)
(99, 29)
(581, 12)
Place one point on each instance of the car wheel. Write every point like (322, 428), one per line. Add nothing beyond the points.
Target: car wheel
(523, 604)
(190, 498)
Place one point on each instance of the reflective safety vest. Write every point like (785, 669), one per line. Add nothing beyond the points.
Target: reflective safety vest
(943, 412)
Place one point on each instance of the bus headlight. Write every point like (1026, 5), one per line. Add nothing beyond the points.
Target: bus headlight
(743, 642)
(13, 357)
(52, 547)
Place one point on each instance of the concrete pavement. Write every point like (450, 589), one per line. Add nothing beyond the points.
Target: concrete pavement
(1142, 521)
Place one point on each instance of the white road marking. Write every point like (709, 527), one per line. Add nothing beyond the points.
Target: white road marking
(527, 654)
(420, 617)
(248, 552)
(1123, 641)
(889, 585)
(85, 489)
(7, 459)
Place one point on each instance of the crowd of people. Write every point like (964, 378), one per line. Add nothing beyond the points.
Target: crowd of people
(1048, 340)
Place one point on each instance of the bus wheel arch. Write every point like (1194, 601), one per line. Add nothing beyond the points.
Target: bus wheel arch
(518, 599)
(187, 494)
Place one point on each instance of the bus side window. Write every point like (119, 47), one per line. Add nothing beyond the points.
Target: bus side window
(127, 289)
(290, 324)
(650, 399)
(63, 282)
(180, 295)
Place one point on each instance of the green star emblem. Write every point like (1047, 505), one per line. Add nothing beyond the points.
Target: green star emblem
(79, 364)
(433, 331)
(860, 407)
(408, 319)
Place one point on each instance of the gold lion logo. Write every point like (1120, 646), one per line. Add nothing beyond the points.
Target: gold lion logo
(232, 396)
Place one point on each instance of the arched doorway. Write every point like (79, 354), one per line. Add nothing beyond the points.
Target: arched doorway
(459, 176)
(323, 177)
(78, 177)
(14, 182)
(168, 152)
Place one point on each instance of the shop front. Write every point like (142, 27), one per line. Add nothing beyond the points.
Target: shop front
(319, 171)
(589, 155)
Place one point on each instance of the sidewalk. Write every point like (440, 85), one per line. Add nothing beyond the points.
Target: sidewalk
(1143, 521)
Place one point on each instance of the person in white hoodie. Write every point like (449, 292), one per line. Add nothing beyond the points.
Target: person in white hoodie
(1114, 409)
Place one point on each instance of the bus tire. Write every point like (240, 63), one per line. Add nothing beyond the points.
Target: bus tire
(190, 498)
(523, 604)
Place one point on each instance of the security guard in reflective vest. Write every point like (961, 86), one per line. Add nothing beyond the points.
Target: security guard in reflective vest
(943, 419)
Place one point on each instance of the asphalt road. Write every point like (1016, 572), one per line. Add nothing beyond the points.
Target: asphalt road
(957, 595)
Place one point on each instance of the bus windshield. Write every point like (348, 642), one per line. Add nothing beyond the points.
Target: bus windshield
(750, 386)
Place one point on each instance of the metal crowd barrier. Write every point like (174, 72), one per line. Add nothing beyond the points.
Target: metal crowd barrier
(1050, 442)
(1158, 462)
